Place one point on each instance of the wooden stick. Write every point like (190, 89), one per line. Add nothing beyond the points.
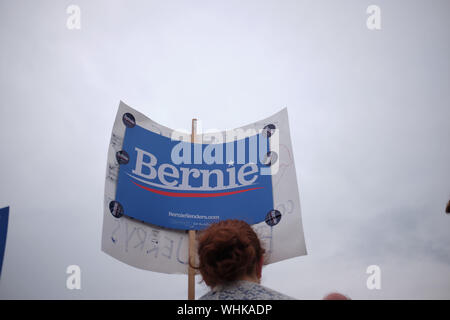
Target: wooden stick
(191, 276)
(191, 273)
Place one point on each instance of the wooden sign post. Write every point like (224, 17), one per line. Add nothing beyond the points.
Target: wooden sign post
(192, 233)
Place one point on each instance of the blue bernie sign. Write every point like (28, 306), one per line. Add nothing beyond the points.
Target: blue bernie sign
(4, 213)
(183, 185)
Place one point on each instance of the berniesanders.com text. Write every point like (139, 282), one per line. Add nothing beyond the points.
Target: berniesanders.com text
(192, 216)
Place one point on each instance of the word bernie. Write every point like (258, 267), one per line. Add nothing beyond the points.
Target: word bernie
(244, 176)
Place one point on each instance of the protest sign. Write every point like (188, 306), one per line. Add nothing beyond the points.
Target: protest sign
(159, 184)
(4, 216)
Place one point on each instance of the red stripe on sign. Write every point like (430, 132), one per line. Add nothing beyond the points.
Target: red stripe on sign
(192, 194)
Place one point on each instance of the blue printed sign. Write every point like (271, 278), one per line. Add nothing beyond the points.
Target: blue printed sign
(4, 213)
(183, 185)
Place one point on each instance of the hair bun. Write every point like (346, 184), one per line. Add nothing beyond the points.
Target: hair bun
(228, 250)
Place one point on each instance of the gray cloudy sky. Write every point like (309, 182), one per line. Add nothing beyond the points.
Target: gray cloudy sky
(369, 114)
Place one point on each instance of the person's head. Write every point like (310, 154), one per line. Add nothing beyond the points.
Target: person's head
(229, 250)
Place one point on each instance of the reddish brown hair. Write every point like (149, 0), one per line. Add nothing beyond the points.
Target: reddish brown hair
(228, 250)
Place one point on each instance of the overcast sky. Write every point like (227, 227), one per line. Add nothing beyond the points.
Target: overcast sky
(369, 114)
